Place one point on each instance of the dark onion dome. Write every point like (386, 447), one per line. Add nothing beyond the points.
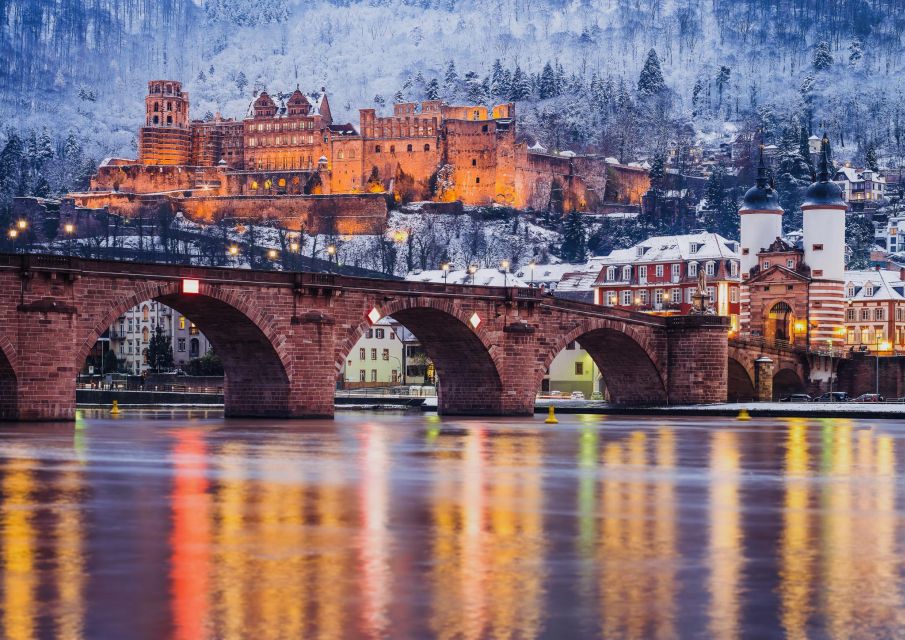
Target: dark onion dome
(762, 196)
(824, 192)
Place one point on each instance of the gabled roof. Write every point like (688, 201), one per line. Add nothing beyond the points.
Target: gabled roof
(886, 285)
(710, 246)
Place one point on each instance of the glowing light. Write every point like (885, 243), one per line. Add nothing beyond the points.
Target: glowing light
(294, 247)
(233, 250)
(475, 320)
(69, 228)
(22, 224)
(272, 254)
(445, 266)
(190, 285)
(799, 326)
(331, 249)
(472, 269)
(374, 315)
(400, 235)
(13, 234)
(886, 345)
(504, 265)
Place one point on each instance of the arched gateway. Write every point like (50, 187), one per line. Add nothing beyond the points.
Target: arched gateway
(284, 336)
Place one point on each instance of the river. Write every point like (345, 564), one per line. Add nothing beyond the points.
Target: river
(185, 525)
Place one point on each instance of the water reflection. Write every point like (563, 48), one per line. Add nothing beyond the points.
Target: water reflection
(367, 528)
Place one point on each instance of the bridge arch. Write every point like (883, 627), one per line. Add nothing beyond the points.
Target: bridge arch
(255, 359)
(740, 386)
(628, 360)
(466, 362)
(786, 381)
(8, 381)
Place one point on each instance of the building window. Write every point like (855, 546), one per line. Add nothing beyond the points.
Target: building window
(392, 148)
(745, 251)
(850, 314)
(693, 269)
(611, 298)
(610, 274)
(658, 296)
(386, 354)
(579, 368)
(642, 272)
(865, 314)
(477, 181)
(790, 263)
(373, 354)
(878, 314)
(676, 270)
(659, 270)
(370, 334)
(711, 269)
(361, 354)
(194, 348)
(409, 148)
(733, 269)
(379, 333)
(626, 298)
(817, 247)
(180, 344)
(474, 162)
(676, 296)
(766, 264)
(427, 147)
(642, 296)
(361, 375)
(689, 292)
(817, 273)
(373, 375)
(376, 148)
(626, 273)
(733, 294)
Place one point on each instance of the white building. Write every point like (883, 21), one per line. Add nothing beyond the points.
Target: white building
(376, 360)
(860, 185)
(131, 333)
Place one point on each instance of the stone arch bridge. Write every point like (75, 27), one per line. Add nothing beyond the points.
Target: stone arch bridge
(283, 336)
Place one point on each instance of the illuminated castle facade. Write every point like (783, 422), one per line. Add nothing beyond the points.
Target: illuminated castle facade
(289, 145)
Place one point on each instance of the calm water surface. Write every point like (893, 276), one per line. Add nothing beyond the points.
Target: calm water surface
(160, 525)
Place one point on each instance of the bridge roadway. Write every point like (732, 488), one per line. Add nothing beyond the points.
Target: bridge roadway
(284, 336)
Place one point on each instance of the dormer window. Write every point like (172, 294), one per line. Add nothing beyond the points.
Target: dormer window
(695, 247)
(869, 289)
(765, 265)
(850, 290)
(640, 251)
(610, 274)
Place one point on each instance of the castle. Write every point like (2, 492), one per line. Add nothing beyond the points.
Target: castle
(288, 159)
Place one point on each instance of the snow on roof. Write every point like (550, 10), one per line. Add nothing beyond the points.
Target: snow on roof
(567, 154)
(851, 174)
(874, 285)
(106, 162)
(611, 160)
(537, 146)
(481, 277)
(693, 246)
(280, 99)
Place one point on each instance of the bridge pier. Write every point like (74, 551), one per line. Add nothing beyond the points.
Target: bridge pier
(697, 360)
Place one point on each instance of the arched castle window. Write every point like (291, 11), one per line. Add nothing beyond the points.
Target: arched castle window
(156, 106)
(427, 147)
(169, 119)
(156, 119)
(376, 148)
(409, 148)
(169, 106)
(392, 148)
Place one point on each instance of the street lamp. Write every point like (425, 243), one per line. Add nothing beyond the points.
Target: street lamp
(504, 265)
(233, 250)
(272, 254)
(532, 264)
(69, 230)
(472, 269)
(13, 234)
(294, 246)
(445, 268)
(22, 224)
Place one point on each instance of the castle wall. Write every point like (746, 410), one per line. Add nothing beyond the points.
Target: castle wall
(139, 178)
(625, 184)
(341, 214)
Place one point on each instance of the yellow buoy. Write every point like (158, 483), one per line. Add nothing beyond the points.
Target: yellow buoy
(114, 411)
(551, 417)
(744, 415)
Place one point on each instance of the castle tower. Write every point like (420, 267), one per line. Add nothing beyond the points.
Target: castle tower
(760, 218)
(165, 138)
(824, 252)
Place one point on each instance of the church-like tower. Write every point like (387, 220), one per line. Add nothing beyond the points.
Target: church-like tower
(760, 217)
(165, 139)
(824, 252)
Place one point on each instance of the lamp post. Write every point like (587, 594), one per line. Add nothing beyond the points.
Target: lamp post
(69, 230)
(331, 252)
(532, 264)
(472, 269)
(445, 267)
(504, 266)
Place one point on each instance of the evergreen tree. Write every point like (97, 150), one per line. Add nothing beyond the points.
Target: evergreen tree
(519, 88)
(651, 82)
(547, 84)
(474, 91)
(497, 86)
(241, 82)
(722, 81)
(859, 236)
(794, 176)
(432, 91)
(697, 97)
(823, 56)
(451, 80)
(855, 52)
(160, 351)
(574, 238)
(870, 157)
